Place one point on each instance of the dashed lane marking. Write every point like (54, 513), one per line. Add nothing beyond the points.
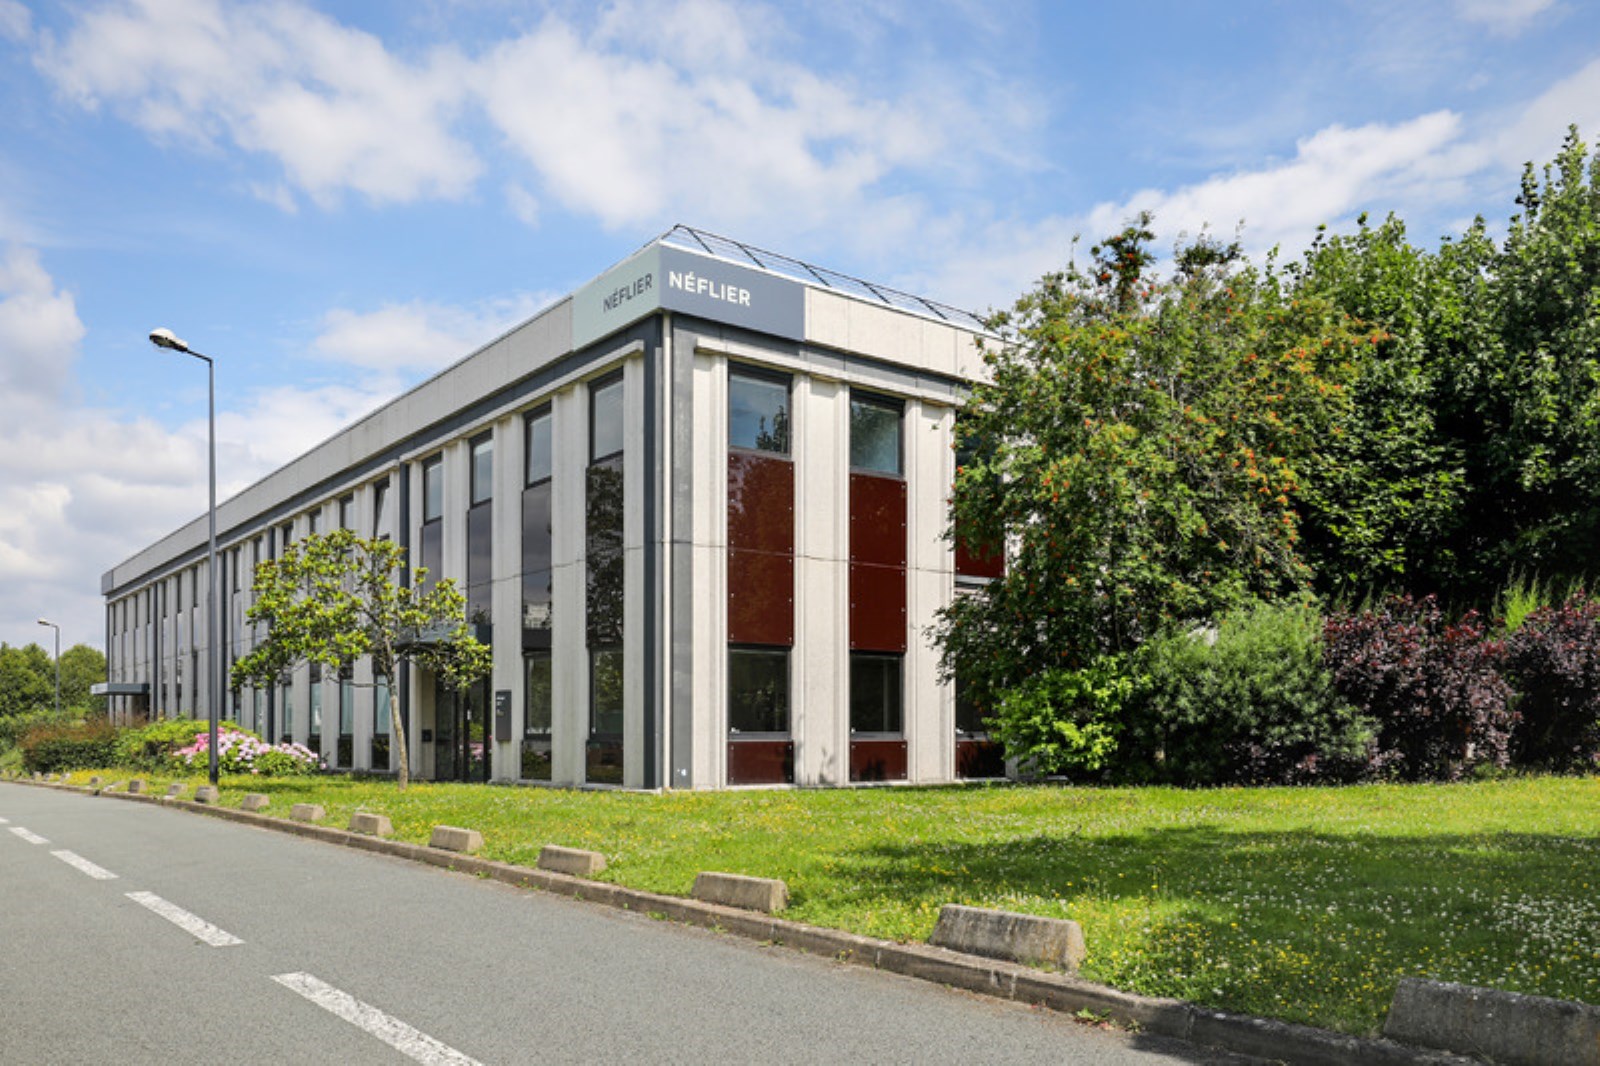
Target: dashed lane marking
(199, 927)
(30, 837)
(392, 1031)
(78, 862)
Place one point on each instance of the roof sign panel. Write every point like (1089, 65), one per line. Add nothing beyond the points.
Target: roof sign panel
(672, 279)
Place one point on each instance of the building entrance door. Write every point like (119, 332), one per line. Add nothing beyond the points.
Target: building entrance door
(460, 732)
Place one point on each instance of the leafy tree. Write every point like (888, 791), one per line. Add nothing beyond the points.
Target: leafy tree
(334, 598)
(27, 679)
(82, 667)
(1140, 449)
(1384, 503)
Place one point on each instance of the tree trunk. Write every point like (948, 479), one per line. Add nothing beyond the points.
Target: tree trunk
(403, 767)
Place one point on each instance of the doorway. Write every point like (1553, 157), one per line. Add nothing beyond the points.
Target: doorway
(461, 729)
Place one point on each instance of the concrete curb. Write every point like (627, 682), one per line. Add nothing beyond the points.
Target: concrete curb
(1238, 1033)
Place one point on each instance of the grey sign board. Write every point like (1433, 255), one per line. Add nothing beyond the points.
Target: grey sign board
(502, 715)
(662, 278)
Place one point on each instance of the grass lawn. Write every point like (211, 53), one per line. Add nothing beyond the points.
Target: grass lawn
(1303, 904)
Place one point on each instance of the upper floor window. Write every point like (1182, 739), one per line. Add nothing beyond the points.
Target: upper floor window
(758, 411)
(313, 521)
(541, 457)
(380, 496)
(875, 434)
(482, 469)
(347, 511)
(433, 489)
(605, 418)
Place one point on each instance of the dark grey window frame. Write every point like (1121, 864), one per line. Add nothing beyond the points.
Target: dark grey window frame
(769, 377)
(883, 402)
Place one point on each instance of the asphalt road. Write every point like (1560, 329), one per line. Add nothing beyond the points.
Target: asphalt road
(132, 934)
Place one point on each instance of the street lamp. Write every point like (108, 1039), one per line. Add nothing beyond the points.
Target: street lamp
(57, 628)
(164, 338)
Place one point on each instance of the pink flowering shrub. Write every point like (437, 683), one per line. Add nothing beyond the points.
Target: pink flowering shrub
(239, 752)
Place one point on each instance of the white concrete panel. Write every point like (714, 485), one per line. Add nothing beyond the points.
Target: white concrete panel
(569, 655)
(827, 319)
(930, 470)
(710, 537)
(506, 596)
(938, 349)
(820, 666)
(635, 597)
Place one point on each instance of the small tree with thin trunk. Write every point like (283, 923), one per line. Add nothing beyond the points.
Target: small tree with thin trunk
(335, 598)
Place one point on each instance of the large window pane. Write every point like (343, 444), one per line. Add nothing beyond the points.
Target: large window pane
(536, 718)
(758, 413)
(605, 694)
(541, 457)
(605, 418)
(380, 724)
(758, 690)
(482, 469)
(433, 489)
(875, 701)
(380, 520)
(874, 435)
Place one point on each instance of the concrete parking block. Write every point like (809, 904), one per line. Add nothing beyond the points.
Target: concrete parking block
(206, 794)
(572, 861)
(255, 801)
(307, 812)
(1504, 1027)
(453, 838)
(765, 894)
(1024, 938)
(371, 824)
(136, 786)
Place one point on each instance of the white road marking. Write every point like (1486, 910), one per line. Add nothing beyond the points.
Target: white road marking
(30, 837)
(181, 918)
(392, 1031)
(5, 821)
(78, 862)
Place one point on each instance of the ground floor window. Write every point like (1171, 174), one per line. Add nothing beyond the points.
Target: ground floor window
(758, 690)
(537, 713)
(876, 705)
(285, 714)
(381, 728)
(605, 747)
(344, 753)
(314, 725)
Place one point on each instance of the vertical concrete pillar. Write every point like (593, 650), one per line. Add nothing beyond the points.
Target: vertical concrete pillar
(709, 559)
(820, 666)
(569, 657)
(509, 459)
(930, 705)
(636, 598)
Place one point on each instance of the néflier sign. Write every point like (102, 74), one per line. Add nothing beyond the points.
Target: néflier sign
(661, 278)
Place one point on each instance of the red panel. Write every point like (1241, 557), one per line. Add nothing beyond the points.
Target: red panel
(760, 762)
(760, 598)
(760, 502)
(877, 608)
(971, 564)
(877, 520)
(980, 758)
(877, 760)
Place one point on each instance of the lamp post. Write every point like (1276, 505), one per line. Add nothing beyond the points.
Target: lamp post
(164, 338)
(57, 628)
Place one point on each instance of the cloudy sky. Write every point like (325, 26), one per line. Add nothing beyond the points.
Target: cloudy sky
(337, 199)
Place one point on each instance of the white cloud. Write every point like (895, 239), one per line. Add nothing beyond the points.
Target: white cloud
(38, 323)
(330, 103)
(403, 338)
(1505, 17)
(16, 24)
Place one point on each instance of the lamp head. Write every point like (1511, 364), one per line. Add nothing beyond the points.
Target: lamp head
(165, 338)
(46, 622)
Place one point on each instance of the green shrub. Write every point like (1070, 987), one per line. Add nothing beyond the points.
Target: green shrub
(13, 727)
(1248, 702)
(1064, 721)
(150, 747)
(58, 746)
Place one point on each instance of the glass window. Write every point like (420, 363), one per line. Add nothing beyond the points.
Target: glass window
(380, 723)
(380, 497)
(482, 470)
(286, 715)
(433, 489)
(286, 537)
(605, 418)
(178, 591)
(541, 459)
(314, 728)
(758, 690)
(970, 718)
(758, 412)
(537, 704)
(347, 511)
(874, 434)
(875, 704)
(314, 521)
(605, 692)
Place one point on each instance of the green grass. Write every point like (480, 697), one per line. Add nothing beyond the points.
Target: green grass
(1302, 904)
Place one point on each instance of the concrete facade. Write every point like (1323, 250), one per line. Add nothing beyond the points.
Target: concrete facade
(651, 686)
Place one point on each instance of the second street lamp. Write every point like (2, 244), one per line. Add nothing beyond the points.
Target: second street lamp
(164, 338)
(57, 628)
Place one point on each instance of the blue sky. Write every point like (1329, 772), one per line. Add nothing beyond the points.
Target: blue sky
(337, 199)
